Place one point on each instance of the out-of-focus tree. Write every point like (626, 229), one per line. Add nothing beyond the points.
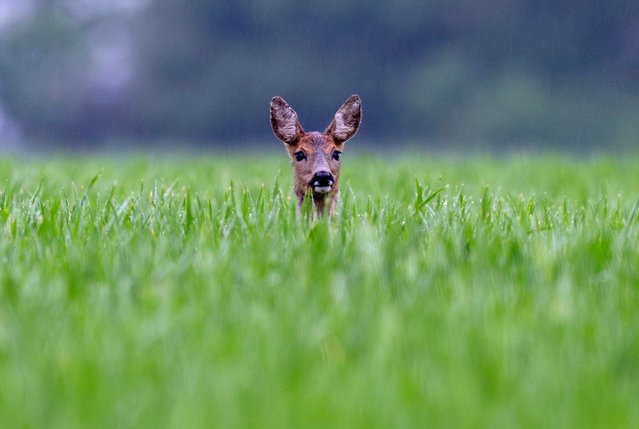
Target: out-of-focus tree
(64, 70)
(41, 65)
(494, 71)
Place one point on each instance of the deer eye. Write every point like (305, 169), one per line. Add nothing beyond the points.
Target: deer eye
(336, 154)
(300, 156)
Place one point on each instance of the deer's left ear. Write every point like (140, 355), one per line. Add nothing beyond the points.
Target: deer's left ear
(284, 122)
(347, 119)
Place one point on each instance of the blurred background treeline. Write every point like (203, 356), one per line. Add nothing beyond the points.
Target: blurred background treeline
(560, 74)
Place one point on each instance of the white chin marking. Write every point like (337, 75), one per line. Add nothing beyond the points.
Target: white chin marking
(322, 189)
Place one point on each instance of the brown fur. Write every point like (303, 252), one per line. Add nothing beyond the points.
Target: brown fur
(318, 147)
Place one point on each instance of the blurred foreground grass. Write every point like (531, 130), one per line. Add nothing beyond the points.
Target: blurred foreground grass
(447, 292)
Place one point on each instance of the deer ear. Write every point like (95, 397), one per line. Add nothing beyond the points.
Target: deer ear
(286, 126)
(347, 119)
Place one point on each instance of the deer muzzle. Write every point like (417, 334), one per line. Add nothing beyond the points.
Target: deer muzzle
(322, 182)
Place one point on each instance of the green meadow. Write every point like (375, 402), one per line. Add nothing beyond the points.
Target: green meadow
(446, 292)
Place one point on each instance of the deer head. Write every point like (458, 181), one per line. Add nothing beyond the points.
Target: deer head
(315, 156)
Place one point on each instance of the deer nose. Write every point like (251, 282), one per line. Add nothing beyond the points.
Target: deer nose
(322, 181)
(322, 178)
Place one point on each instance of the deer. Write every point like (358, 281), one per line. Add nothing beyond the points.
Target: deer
(315, 156)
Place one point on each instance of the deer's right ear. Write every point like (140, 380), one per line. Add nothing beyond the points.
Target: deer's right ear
(346, 121)
(286, 125)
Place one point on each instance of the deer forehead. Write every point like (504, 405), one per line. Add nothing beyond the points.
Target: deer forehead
(315, 142)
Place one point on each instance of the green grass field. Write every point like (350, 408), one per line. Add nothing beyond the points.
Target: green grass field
(448, 292)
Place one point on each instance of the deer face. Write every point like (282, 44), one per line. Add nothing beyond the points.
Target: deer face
(315, 160)
(315, 156)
